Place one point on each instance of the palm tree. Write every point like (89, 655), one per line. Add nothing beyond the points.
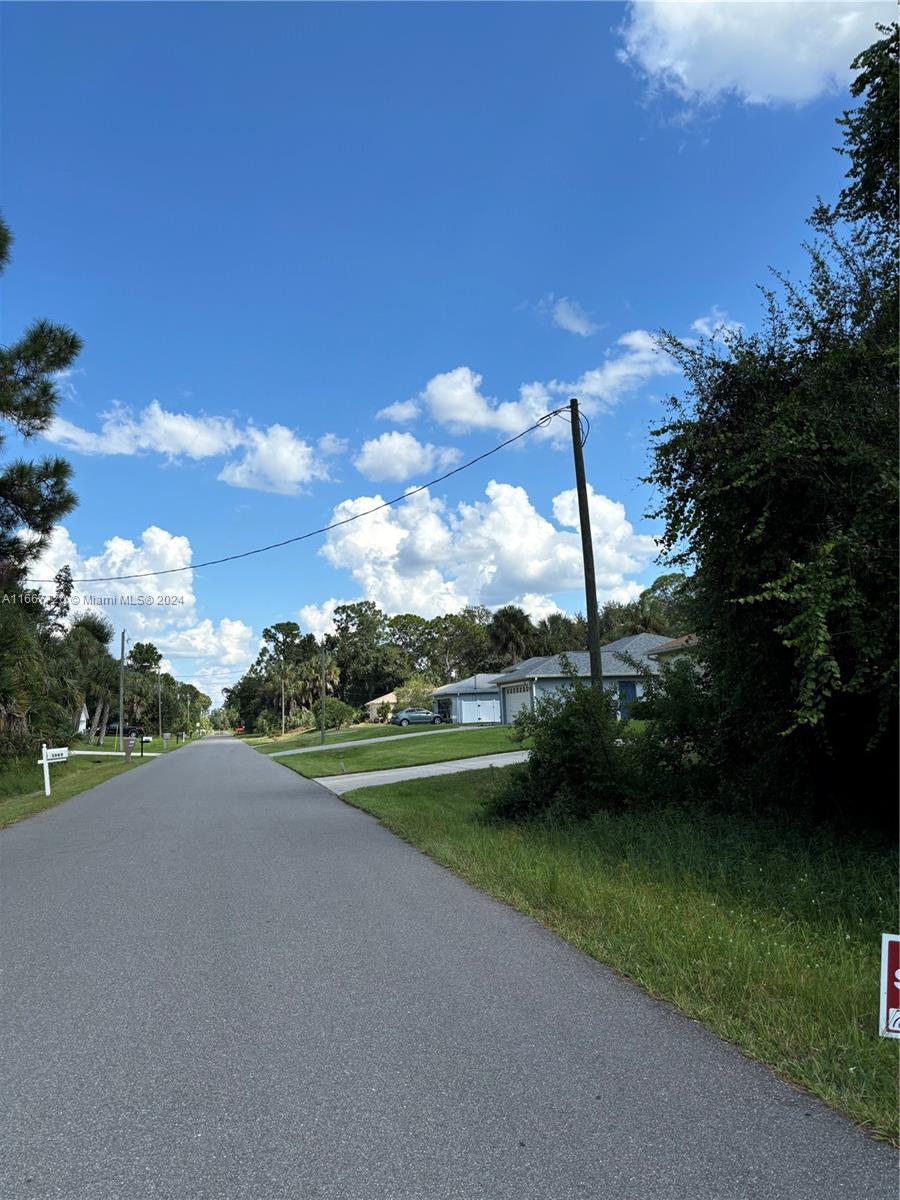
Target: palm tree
(510, 634)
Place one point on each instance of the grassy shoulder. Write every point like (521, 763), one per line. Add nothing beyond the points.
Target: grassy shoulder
(768, 935)
(406, 752)
(22, 786)
(300, 739)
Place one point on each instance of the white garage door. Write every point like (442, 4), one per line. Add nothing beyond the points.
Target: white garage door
(517, 697)
(486, 710)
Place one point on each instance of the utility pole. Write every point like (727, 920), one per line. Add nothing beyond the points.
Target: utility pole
(322, 694)
(120, 740)
(159, 696)
(282, 691)
(587, 551)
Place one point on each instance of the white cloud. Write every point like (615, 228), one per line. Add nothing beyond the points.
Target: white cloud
(715, 324)
(427, 558)
(274, 458)
(402, 412)
(569, 315)
(158, 608)
(318, 619)
(635, 364)
(762, 52)
(329, 445)
(400, 456)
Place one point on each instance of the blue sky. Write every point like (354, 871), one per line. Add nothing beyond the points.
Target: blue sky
(270, 223)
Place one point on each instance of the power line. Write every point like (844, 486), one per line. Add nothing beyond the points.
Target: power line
(541, 423)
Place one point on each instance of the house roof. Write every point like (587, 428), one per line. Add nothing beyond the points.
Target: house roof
(687, 642)
(639, 647)
(484, 681)
(389, 698)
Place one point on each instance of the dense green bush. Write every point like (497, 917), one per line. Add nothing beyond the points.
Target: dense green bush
(576, 766)
(337, 714)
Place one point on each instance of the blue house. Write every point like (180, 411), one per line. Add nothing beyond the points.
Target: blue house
(627, 664)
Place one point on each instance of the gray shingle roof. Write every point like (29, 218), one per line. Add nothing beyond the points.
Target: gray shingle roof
(638, 647)
(485, 683)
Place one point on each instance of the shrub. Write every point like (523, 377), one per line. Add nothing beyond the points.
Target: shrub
(576, 767)
(337, 714)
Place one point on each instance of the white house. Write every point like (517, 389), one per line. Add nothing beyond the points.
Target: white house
(372, 706)
(469, 701)
(523, 685)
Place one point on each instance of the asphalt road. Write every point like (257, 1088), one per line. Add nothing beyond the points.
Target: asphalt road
(222, 983)
(341, 784)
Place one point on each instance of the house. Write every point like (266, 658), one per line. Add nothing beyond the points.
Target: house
(676, 648)
(626, 664)
(469, 701)
(372, 706)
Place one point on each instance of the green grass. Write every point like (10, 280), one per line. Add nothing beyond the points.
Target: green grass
(468, 743)
(22, 786)
(767, 934)
(295, 740)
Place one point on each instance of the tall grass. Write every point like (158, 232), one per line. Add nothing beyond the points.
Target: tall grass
(766, 932)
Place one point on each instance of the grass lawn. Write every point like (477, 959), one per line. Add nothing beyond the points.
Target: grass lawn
(468, 743)
(22, 787)
(295, 740)
(768, 935)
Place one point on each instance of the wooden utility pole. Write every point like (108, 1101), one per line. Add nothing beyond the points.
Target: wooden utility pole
(120, 740)
(159, 696)
(587, 552)
(322, 695)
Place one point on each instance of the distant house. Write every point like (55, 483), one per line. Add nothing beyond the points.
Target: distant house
(676, 648)
(469, 701)
(372, 706)
(627, 664)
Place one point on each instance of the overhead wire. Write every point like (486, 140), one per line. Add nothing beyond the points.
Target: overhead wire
(540, 423)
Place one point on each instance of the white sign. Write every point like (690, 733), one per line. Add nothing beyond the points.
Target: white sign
(49, 755)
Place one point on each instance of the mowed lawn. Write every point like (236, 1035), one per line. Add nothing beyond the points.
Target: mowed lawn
(22, 785)
(404, 752)
(767, 933)
(297, 741)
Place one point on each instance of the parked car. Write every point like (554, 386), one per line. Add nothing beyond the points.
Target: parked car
(416, 716)
(112, 728)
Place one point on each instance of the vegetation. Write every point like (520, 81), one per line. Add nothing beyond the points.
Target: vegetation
(370, 654)
(22, 783)
(404, 752)
(768, 933)
(777, 478)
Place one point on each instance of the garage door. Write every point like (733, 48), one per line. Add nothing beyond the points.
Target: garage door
(517, 698)
(486, 711)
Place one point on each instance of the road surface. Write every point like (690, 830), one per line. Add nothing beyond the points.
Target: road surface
(341, 784)
(222, 983)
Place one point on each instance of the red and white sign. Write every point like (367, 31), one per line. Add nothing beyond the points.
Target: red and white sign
(889, 1017)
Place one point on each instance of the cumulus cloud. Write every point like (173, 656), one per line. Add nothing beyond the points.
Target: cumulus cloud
(271, 459)
(275, 460)
(318, 619)
(400, 456)
(761, 52)
(426, 557)
(158, 608)
(401, 412)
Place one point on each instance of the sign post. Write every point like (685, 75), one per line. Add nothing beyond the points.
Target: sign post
(48, 756)
(889, 1008)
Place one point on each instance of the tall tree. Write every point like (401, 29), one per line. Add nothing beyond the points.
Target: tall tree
(33, 495)
(511, 635)
(778, 474)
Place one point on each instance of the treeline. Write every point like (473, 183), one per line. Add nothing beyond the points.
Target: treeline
(778, 483)
(370, 654)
